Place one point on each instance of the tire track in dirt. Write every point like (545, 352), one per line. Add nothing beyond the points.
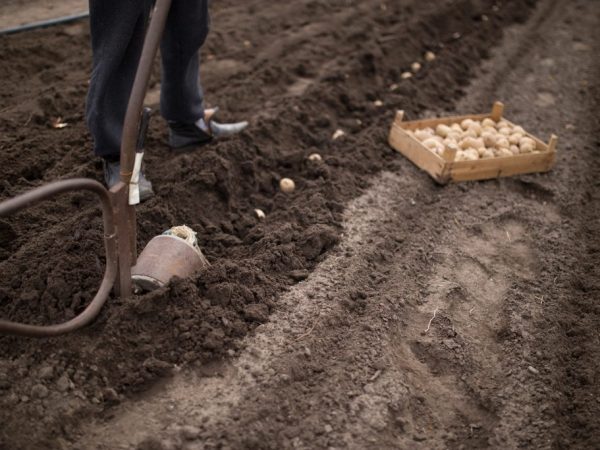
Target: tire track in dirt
(557, 327)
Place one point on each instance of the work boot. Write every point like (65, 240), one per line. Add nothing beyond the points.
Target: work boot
(202, 131)
(112, 175)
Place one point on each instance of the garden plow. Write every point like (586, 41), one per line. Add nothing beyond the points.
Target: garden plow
(118, 208)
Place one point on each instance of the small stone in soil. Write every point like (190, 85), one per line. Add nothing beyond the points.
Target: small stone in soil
(298, 275)
(39, 391)
(46, 372)
(63, 383)
(189, 432)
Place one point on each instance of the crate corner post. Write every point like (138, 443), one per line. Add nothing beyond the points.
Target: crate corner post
(497, 111)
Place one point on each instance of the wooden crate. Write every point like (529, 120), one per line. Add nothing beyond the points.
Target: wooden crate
(444, 168)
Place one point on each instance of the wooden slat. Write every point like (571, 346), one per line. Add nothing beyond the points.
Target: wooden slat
(416, 124)
(502, 167)
(497, 111)
(422, 157)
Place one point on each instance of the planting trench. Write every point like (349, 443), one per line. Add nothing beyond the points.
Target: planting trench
(352, 356)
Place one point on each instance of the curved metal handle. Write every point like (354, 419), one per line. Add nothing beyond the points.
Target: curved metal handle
(23, 201)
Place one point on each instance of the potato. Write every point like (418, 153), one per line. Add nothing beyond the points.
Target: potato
(503, 124)
(422, 134)
(470, 132)
(502, 142)
(489, 138)
(466, 123)
(514, 149)
(460, 156)
(449, 142)
(456, 127)
(434, 145)
(476, 126)
(515, 138)
(454, 135)
(488, 123)
(526, 147)
(259, 213)
(466, 142)
(487, 129)
(287, 185)
(471, 154)
(485, 153)
(519, 129)
(315, 157)
(502, 152)
(430, 142)
(442, 130)
(505, 131)
(526, 140)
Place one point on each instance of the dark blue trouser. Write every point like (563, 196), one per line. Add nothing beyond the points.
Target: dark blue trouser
(117, 28)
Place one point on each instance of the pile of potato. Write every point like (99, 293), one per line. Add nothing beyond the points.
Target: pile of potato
(475, 139)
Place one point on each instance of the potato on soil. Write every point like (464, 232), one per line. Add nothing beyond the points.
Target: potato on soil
(429, 56)
(287, 185)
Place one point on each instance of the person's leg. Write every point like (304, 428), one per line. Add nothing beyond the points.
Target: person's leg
(182, 99)
(185, 32)
(117, 29)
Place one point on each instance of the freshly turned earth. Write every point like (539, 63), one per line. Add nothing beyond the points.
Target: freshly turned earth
(371, 308)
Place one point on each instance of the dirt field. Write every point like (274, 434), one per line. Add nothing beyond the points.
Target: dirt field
(20, 12)
(372, 308)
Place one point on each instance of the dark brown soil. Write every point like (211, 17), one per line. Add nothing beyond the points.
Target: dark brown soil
(298, 72)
